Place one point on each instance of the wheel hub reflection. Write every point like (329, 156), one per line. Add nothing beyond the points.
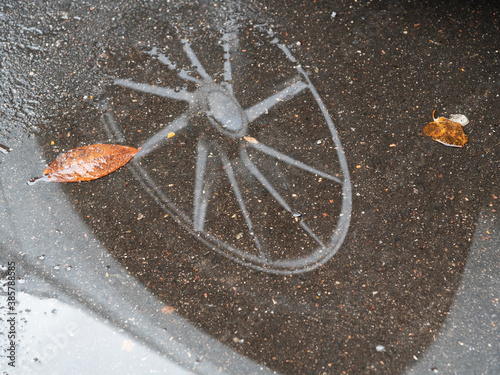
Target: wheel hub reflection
(287, 214)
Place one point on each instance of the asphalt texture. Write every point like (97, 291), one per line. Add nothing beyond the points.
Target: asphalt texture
(318, 232)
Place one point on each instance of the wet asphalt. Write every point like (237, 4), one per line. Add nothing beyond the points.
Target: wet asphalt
(287, 202)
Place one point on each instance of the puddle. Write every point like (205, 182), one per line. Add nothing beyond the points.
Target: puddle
(215, 207)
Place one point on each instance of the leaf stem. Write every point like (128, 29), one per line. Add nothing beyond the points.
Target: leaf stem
(33, 181)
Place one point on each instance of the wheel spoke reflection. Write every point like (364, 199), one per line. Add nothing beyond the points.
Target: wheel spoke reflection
(289, 160)
(194, 60)
(155, 90)
(291, 90)
(252, 168)
(163, 135)
(184, 74)
(202, 187)
(232, 179)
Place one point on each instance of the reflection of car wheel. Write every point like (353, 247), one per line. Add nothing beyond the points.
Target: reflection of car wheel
(260, 187)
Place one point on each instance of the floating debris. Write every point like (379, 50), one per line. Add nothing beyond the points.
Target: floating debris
(4, 149)
(449, 132)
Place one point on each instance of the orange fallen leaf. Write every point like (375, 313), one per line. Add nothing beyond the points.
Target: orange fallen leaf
(447, 132)
(167, 310)
(87, 163)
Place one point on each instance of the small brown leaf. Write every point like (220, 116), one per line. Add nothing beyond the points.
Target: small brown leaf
(447, 132)
(250, 139)
(88, 163)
